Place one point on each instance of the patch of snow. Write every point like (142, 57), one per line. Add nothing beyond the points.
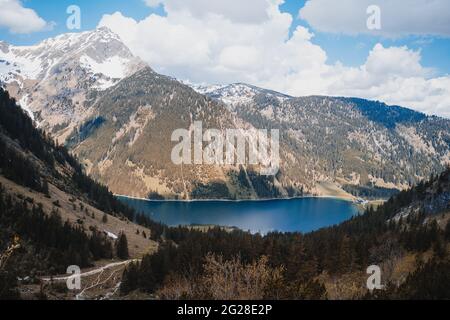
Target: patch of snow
(111, 235)
(103, 84)
(204, 88)
(23, 102)
(235, 94)
(114, 67)
(17, 62)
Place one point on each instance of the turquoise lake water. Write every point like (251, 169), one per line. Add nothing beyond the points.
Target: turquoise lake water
(303, 215)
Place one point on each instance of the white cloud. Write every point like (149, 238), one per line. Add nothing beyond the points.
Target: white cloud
(214, 48)
(153, 3)
(200, 48)
(398, 18)
(397, 61)
(248, 11)
(19, 19)
(394, 75)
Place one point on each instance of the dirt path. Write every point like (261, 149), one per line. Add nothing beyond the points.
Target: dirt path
(91, 272)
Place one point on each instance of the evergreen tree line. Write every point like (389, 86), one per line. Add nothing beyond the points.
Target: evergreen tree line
(104, 200)
(372, 192)
(47, 244)
(19, 169)
(18, 126)
(55, 244)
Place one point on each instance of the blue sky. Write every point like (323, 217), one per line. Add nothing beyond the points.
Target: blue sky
(299, 47)
(350, 50)
(91, 10)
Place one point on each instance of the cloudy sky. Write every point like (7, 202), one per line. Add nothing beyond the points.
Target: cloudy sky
(294, 46)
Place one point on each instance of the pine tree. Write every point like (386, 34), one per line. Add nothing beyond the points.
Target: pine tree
(45, 187)
(130, 279)
(346, 255)
(122, 247)
(105, 218)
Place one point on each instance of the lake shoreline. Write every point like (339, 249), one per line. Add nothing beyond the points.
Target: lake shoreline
(238, 200)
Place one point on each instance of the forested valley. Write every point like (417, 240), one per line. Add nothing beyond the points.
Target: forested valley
(217, 263)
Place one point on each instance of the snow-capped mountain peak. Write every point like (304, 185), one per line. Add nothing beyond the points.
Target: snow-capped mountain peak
(100, 51)
(236, 93)
(52, 78)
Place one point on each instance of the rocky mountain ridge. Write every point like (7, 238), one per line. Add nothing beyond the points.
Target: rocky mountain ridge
(118, 115)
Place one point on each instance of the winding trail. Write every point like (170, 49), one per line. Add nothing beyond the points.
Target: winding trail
(91, 272)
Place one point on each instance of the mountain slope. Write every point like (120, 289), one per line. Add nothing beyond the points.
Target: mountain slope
(127, 145)
(365, 147)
